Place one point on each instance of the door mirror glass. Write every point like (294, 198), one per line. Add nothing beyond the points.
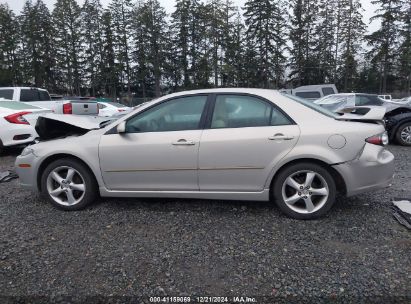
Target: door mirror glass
(121, 128)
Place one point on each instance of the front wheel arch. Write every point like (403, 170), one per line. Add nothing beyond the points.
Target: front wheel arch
(338, 179)
(54, 157)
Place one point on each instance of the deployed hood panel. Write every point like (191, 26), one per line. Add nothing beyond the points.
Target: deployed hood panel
(370, 113)
(51, 126)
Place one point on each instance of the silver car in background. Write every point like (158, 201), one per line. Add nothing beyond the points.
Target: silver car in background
(234, 144)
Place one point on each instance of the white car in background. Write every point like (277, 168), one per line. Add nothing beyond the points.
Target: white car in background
(108, 109)
(17, 121)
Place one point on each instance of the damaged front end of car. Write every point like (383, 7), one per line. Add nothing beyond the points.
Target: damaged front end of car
(54, 126)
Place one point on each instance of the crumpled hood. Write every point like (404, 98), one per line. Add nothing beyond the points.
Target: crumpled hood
(51, 126)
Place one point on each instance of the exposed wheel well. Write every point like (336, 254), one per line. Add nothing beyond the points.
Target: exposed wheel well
(54, 157)
(339, 181)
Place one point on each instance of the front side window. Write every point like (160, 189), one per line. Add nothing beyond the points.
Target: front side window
(174, 115)
(235, 111)
(6, 94)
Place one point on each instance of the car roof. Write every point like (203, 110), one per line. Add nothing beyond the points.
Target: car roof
(25, 88)
(223, 90)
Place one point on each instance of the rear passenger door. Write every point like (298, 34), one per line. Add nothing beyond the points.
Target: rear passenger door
(244, 138)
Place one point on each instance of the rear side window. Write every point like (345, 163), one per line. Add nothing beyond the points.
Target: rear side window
(235, 111)
(327, 91)
(29, 95)
(6, 94)
(312, 94)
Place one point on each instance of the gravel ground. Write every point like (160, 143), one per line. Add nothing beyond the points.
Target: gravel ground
(138, 248)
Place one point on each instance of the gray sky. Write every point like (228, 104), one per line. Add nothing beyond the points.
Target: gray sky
(17, 5)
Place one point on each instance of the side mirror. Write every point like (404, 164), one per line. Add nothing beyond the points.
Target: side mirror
(121, 127)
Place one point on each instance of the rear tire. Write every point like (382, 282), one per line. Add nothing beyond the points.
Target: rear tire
(403, 134)
(68, 184)
(304, 191)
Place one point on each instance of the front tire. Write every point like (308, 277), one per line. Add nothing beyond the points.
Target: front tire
(403, 134)
(304, 191)
(68, 184)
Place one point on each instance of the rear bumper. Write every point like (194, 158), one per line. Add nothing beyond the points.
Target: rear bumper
(372, 170)
(15, 130)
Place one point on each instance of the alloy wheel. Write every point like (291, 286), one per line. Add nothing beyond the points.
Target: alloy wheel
(406, 134)
(66, 186)
(305, 191)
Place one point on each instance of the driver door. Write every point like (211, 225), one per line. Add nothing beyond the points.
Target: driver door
(158, 151)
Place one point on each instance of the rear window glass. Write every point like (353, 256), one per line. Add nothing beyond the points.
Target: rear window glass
(311, 105)
(6, 94)
(368, 100)
(327, 91)
(312, 94)
(44, 96)
(15, 105)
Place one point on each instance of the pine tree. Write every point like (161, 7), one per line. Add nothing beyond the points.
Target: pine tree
(404, 60)
(38, 48)
(384, 41)
(109, 76)
(92, 31)
(180, 34)
(266, 27)
(121, 12)
(67, 23)
(9, 38)
(303, 60)
(352, 35)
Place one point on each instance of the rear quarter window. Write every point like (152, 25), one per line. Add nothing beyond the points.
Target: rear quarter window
(328, 91)
(308, 94)
(44, 96)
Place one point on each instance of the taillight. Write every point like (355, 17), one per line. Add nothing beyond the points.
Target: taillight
(67, 108)
(379, 139)
(120, 110)
(17, 118)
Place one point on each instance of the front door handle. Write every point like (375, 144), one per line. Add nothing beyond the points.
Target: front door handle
(183, 142)
(280, 136)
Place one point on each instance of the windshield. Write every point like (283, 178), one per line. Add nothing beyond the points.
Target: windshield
(311, 105)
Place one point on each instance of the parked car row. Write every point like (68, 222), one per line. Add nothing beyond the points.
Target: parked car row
(397, 114)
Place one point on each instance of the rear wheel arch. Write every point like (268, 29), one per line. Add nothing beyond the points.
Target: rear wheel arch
(55, 157)
(338, 179)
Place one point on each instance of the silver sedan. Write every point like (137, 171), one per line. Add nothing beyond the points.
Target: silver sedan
(234, 144)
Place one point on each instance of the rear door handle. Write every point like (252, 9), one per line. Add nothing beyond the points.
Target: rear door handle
(280, 136)
(183, 142)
